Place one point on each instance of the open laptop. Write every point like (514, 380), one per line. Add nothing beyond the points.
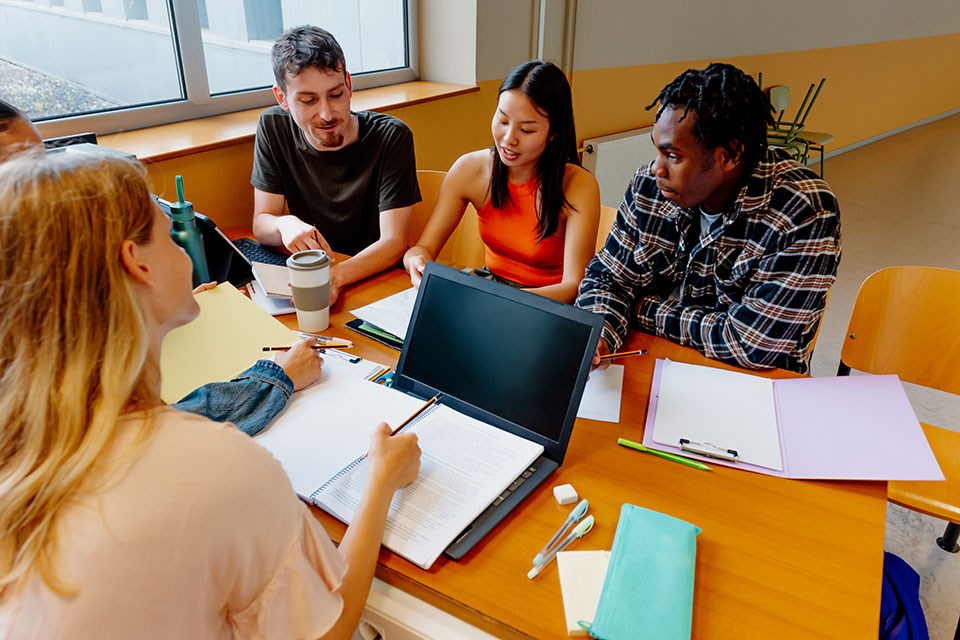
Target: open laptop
(508, 357)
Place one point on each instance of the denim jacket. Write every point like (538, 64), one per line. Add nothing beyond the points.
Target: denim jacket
(250, 401)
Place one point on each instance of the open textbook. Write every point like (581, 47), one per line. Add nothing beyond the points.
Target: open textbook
(323, 435)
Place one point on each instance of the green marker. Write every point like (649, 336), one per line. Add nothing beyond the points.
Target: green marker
(662, 454)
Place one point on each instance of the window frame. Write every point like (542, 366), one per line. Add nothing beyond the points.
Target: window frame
(199, 103)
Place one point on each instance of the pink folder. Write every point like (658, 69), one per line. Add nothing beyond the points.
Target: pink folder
(842, 428)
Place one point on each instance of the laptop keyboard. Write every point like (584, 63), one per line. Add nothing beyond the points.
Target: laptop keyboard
(513, 487)
(256, 252)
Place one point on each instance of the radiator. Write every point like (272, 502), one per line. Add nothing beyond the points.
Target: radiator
(614, 159)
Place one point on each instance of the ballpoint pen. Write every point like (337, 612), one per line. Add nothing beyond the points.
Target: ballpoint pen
(662, 454)
(578, 512)
(579, 531)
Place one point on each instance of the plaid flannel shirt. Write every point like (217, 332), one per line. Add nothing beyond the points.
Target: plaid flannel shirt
(752, 290)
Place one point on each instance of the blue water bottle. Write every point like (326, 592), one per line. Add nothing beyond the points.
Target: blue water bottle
(185, 233)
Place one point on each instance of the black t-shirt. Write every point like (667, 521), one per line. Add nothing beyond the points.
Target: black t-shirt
(340, 192)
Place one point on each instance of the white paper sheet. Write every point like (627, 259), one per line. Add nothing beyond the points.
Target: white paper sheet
(726, 409)
(392, 314)
(602, 394)
(465, 465)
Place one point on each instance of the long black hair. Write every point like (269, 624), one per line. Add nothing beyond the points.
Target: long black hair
(544, 84)
(731, 109)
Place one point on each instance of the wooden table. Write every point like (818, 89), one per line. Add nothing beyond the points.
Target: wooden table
(777, 558)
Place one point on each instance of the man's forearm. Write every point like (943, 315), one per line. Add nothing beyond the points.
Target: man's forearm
(381, 255)
(266, 229)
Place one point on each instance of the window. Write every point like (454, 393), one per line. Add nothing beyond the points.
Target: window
(121, 64)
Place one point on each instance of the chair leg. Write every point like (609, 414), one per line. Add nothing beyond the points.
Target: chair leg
(948, 541)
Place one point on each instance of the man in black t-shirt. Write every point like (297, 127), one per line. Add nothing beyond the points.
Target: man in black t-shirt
(326, 177)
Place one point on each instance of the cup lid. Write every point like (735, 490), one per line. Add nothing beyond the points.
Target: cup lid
(308, 260)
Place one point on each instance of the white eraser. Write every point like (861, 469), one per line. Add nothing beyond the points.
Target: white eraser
(565, 493)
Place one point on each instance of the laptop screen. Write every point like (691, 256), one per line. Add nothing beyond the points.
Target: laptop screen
(519, 358)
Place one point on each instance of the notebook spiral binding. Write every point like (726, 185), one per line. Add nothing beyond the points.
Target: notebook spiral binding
(356, 463)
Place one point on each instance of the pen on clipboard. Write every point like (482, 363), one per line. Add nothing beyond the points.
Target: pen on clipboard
(623, 354)
(413, 416)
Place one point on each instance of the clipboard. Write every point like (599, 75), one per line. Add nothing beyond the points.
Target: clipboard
(828, 428)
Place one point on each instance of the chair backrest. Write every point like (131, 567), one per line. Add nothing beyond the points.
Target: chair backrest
(608, 215)
(430, 182)
(779, 99)
(464, 248)
(906, 321)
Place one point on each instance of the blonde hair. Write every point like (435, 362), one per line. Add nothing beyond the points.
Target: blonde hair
(73, 340)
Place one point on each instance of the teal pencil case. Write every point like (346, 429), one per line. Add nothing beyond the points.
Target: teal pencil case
(648, 588)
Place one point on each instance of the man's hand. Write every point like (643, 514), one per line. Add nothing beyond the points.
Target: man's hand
(334, 284)
(602, 350)
(297, 235)
(301, 363)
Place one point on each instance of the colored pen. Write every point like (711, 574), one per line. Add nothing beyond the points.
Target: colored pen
(578, 512)
(623, 354)
(426, 405)
(579, 531)
(662, 454)
(320, 347)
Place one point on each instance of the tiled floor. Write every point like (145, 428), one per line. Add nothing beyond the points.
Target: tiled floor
(900, 205)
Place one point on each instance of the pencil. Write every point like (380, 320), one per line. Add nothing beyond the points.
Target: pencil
(325, 345)
(623, 354)
(416, 413)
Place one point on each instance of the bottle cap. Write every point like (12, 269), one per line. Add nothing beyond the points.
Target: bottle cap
(181, 211)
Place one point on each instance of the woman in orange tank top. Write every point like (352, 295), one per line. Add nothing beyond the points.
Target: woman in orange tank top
(537, 208)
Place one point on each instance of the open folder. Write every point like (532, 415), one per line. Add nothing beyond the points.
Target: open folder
(843, 428)
(226, 338)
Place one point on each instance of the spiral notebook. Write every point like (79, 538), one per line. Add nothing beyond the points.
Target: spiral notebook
(500, 429)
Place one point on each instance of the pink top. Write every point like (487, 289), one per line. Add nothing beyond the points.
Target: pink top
(195, 534)
(510, 237)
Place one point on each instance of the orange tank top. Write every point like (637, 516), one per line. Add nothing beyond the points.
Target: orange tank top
(510, 239)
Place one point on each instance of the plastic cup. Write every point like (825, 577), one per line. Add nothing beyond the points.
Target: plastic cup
(310, 282)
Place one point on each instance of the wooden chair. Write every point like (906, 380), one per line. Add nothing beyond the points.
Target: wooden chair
(906, 321)
(608, 215)
(464, 248)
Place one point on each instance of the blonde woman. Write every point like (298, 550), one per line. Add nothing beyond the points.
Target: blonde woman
(121, 517)
(254, 397)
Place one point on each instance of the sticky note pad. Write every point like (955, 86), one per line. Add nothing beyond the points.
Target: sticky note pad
(581, 579)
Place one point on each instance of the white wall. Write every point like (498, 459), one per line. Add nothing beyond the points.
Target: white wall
(618, 33)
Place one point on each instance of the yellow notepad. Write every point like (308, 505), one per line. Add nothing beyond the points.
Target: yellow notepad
(581, 579)
(225, 339)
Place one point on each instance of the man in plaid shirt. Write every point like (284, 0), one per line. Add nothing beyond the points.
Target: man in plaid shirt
(722, 243)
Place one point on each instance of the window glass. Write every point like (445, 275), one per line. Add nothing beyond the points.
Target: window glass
(79, 56)
(238, 34)
(62, 58)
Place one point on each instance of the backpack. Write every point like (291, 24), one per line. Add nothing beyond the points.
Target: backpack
(901, 617)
